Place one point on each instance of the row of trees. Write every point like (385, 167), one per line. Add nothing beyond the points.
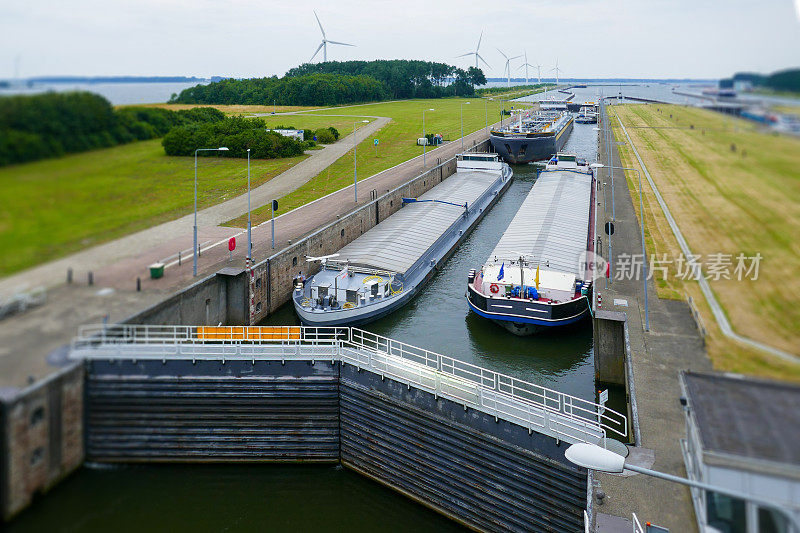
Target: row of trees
(237, 134)
(313, 89)
(404, 78)
(345, 82)
(52, 124)
(784, 80)
(513, 88)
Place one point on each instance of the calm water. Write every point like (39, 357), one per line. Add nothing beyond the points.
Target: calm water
(116, 93)
(325, 498)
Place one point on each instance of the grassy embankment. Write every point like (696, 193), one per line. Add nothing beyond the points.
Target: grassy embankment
(59, 206)
(397, 143)
(732, 189)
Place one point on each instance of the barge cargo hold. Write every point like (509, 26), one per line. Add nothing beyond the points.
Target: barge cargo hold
(532, 136)
(384, 268)
(539, 275)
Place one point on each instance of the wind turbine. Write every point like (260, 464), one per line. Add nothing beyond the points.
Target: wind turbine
(324, 44)
(557, 70)
(539, 72)
(507, 70)
(526, 65)
(476, 54)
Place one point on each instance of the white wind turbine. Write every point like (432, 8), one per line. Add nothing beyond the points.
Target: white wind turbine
(526, 65)
(557, 70)
(507, 69)
(476, 54)
(324, 44)
(539, 72)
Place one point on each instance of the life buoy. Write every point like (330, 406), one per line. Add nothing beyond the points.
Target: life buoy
(494, 288)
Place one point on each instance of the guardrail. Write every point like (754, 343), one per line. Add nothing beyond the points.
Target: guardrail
(533, 406)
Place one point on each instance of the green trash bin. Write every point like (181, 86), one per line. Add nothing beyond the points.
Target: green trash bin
(156, 270)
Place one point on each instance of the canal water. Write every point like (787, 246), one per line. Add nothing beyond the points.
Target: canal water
(327, 498)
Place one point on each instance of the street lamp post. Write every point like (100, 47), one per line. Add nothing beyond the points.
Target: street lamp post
(594, 457)
(486, 112)
(425, 142)
(462, 124)
(641, 226)
(194, 247)
(355, 166)
(249, 225)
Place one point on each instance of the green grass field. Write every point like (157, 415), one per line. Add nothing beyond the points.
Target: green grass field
(732, 189)
(54, 207)
(397, 142)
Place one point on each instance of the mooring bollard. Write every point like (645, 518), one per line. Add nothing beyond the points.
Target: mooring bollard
(138, 284)
(91, 278)
(69, 275)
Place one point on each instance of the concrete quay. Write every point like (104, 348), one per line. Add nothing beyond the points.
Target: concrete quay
(656, 356)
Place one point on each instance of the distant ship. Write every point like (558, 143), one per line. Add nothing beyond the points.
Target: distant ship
(539, 276)
(587, 115)
(532, 136)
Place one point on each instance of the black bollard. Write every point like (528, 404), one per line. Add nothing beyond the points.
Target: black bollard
(69, 275)
(138, 284)
(91, 278)
(179, 259)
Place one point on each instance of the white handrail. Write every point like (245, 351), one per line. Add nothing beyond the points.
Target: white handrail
(529, 404)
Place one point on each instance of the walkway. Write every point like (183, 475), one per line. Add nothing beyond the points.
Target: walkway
(671, 345)
(131, 246)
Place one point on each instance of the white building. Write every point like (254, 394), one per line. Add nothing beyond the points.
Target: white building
(295, 134)
(743, 434)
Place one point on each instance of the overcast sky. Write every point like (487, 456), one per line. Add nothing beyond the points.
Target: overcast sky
(243, 38)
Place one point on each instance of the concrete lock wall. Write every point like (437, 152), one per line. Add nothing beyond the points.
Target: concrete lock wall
(273, 277)
(42, 437)
(219, 298)
(488, 474)
(609, 347)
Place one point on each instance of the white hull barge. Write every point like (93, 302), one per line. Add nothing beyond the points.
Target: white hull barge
(384, 268)
(538, 276)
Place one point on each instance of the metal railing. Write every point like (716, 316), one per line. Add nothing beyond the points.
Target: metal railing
(583, 413)
(538, 408)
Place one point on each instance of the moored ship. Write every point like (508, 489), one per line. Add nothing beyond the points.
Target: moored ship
(384, 268)
(532, 136)
(539, 276)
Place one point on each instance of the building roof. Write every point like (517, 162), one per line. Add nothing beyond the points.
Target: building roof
(552, 225)
(399, 241)
(747, 417)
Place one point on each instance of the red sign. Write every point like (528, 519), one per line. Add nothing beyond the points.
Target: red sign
(232, 244)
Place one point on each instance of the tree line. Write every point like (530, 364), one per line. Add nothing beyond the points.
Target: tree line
(341, 82)
(314, 89)
(783, 80)
(48, 125)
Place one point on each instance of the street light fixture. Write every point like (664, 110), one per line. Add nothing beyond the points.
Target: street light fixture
(249, 225)
(462, 124)
(425, 143)
(641, 226)
(355, 148)
(194, 255)
(593, 457)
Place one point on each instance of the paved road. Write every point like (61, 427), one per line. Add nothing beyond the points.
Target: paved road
(167, 238)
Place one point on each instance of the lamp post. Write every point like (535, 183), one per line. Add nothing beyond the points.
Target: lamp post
(355, 171)
(641, 226)
(194, 248)
(425, 143)
(462, 124)
(249, 225)
(486, 112)
(594, 457)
